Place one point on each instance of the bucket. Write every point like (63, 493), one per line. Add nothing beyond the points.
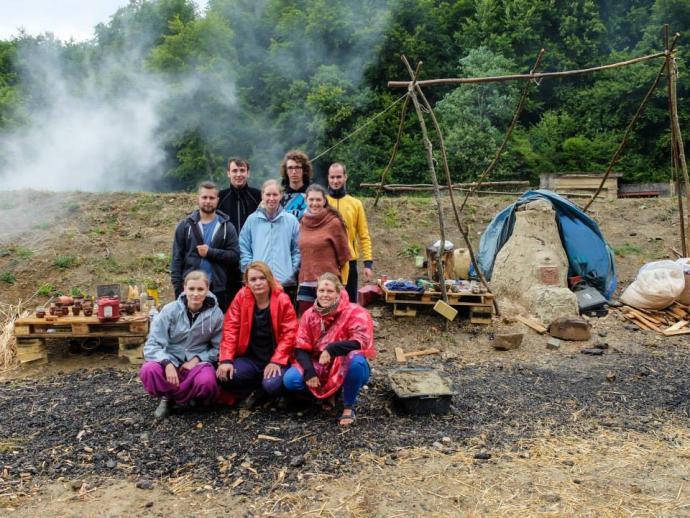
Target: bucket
(461, 263)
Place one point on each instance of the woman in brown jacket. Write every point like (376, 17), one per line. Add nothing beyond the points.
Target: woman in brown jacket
(323, 245)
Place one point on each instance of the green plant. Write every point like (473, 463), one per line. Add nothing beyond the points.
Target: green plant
(71, 207)
(78, 292)
(43, 225)
(65, 261)
(47, 290)
(151, 284)
(627, 249)
(390, 218)
(23, 252)
(8, 277)
(4, 252)
(410, 250)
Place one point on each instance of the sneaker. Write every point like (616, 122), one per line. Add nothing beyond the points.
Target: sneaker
(162, 410)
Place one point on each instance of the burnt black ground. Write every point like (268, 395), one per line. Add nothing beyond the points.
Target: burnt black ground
(42, 420)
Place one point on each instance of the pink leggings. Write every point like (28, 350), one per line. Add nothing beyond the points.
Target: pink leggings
(198, 383)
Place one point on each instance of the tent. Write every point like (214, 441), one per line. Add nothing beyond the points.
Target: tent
(589, 256)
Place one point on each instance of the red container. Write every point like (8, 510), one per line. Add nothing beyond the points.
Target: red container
(108, 309)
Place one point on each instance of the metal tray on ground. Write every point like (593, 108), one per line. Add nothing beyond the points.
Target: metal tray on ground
(421, 390)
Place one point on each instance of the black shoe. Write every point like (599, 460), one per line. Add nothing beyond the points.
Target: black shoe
(163, 409)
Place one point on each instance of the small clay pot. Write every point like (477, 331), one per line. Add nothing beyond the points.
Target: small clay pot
(52, 310)
(40, 312)
(137, 305)
(88, 311)
(75, 310)
(65, 311)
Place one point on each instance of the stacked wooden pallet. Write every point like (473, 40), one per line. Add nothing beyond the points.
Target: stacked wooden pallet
(31, 334)
(404, 302)
(672, 321)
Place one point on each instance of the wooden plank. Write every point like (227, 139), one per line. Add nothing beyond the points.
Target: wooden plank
(20, 330)
(80, 329)
(404, 311)
(31, 351)
(677, 326)
(531, 323)
(652, 322)
(676, 333)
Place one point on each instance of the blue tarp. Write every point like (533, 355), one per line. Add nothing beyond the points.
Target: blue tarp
(588, 253)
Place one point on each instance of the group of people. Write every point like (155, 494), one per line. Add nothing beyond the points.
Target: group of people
(245, 264)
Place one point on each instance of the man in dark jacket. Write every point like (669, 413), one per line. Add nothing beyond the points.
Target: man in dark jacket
(238, 201)
(206, 240)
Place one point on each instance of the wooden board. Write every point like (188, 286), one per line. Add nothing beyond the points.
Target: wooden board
(31, 350)
(81, 327)
(463, 298)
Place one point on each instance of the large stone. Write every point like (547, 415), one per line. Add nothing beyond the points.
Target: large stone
(573, 328)
(507, 341)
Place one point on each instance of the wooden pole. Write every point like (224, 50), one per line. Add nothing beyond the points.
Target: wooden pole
(523, 77)
(463, 230)
(513, 123)
(675, 169)
(455, 186)
(434, 180)
(403, 112)
(677, 140)
(628, 130)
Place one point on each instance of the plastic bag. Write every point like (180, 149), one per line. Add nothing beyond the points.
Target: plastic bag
(657, 285)
(684, 297)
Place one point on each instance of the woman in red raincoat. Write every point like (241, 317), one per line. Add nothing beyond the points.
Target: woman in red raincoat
(334, 341)
(258, 335)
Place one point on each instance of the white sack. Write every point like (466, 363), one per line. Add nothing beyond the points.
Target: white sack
(657, 285)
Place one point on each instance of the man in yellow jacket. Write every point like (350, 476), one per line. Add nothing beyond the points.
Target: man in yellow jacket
(352, 211)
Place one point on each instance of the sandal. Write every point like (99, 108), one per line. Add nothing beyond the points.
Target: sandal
(351, 417)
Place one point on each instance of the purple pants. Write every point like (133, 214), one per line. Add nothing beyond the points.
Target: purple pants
(198, 383)
(249, 375)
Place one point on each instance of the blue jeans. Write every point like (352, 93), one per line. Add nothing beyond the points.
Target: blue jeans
(357, 375)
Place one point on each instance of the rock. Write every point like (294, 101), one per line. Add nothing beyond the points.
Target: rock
(603, 333)
(76, 485)
(593, 352)
(438, 445)
(601, 344)
(610, 377)
(148, 504)
(553, 344)
(507, 341)
(144, 483)
(296, 461)
(568, 463)
(482, 455)
(88, 449)
(446, 439)
(631, 327)
(552, 498)
(614, 303)
(110, 464)
(632, 234)
(570, 328)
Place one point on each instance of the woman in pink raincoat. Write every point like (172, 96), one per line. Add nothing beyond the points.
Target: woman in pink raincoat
(334, 341)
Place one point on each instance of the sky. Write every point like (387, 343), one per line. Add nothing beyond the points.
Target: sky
(64, 18)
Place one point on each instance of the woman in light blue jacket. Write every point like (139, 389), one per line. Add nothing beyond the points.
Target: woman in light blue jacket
(271, 235)
(182, 348)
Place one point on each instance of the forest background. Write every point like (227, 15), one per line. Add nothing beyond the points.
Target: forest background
(164, 92)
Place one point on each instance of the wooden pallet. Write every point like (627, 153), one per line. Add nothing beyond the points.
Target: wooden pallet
(31, 334)
(404, 302)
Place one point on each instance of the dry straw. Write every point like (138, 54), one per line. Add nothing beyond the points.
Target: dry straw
(8, 344)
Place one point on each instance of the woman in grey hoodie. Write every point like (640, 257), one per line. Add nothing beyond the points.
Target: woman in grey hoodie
(182, 348)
